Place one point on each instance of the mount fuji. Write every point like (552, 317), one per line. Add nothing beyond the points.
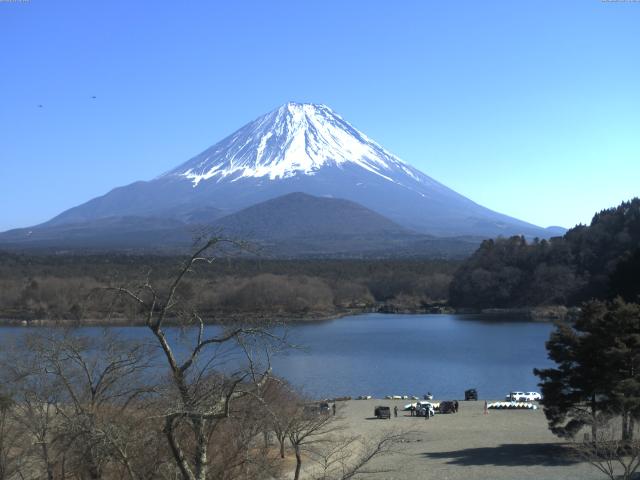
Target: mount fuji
(299, 147)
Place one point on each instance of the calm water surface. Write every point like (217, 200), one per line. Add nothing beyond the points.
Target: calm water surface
(403, 354)
(411, 354)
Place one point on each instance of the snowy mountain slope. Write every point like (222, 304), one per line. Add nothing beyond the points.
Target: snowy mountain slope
(295, 139)
(300, 148)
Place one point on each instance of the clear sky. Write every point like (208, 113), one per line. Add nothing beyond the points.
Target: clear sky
(531, 108)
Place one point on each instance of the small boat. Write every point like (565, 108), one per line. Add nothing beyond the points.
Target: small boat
(512, 406)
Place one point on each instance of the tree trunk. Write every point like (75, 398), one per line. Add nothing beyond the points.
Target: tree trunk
(594, 419)
(281, 440)
(201, 460)
(93, 467)
(176, 450)
(47, 462)
(296, 476)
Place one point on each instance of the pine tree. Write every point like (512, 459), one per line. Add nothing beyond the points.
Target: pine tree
(597, 372)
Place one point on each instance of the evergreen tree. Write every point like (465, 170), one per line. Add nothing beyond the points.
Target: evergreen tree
(623, 359)
(597, 372)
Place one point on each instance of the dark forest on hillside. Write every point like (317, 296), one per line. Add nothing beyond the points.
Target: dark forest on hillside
(73, 287)
(600, 261)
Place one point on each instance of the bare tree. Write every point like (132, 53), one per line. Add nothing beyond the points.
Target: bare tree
(308, 428)
(11, 440)
(347, 457)
(608, 452)
(97, 384)
(281, 408)
(333, 453)
(202, 394)
(36, 406)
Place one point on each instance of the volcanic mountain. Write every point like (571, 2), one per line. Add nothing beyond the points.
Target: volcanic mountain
(298, 147)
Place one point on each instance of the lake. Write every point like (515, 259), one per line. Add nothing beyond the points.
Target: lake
(384, 354)
(411, 354)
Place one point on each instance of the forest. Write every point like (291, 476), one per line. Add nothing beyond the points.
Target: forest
(76, 287)
(599, 261)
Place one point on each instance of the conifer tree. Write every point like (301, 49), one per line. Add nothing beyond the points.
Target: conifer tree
(597, 372)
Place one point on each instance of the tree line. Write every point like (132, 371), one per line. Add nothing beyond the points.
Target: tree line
(596, 261)
(67, 287)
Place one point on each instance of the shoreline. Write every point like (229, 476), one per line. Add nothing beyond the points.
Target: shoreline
(535, 314)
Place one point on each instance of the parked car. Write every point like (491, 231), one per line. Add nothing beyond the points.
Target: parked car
(523, 397)
(515, 397)
(471, 394)
(533, 396)
(382, 412)
(447, 407)
(317, 408)
(425, 408)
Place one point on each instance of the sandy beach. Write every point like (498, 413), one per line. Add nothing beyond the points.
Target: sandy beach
(505, 444)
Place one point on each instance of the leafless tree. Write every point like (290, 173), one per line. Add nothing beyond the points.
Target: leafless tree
(37, 401)
(333, 452)
(609, 453)
(348, 457)
(92, 386)
(308, 428)
(202, 394)
(280, 404)
(11, 441)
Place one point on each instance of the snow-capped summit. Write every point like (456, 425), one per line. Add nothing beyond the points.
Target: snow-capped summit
(295, 139)
(307, 148)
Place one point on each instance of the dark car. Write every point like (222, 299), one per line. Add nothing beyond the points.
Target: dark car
(317, 408)
(447, 407)
(382, 412)
(471, 394)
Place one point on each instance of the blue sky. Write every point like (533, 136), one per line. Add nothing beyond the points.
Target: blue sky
(529, 108)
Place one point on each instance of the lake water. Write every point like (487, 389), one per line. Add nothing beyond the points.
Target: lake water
(383, 355)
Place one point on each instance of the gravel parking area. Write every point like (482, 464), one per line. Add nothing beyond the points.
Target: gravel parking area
(505, 444)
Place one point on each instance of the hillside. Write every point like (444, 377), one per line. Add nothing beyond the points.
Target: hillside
(301, 215)
(596, 261)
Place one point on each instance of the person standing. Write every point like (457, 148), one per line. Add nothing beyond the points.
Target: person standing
(486, 408)
(334, 409)
(395, 411)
